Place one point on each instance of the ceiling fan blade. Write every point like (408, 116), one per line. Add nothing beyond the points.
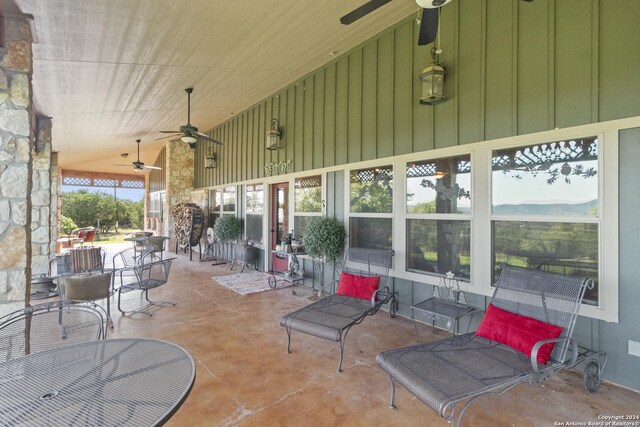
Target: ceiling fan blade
(208, 138)
(128, 166)
(152, 167)
(428, 26)
(169, 131)
(363, 10)
(168, 136)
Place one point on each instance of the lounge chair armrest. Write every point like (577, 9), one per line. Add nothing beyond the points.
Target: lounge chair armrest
(374, 297)
(536, 348)
(384, 292)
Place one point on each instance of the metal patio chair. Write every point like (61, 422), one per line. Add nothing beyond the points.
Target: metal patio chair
(458, 370)
(143, 277)
(333, 316)
(88, 287)
(50, 325)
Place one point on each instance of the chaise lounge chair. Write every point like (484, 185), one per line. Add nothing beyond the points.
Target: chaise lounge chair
(362, 291)
(460, 369)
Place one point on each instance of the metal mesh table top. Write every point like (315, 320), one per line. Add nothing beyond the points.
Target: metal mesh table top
(443, 307)
(124, 381)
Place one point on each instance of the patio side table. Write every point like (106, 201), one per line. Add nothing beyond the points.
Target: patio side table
(441, 308)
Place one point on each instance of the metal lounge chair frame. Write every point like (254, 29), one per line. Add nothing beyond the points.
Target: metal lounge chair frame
(458, 370)
(333, 316)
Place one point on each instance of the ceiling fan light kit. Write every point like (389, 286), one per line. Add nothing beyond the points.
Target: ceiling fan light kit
(431, 4)
(189, 139)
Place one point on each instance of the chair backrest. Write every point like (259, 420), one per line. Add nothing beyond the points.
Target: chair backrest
(87, 259)
(49, 325)
(90, 235)
(86, 287)
(368, 262)
(549, 297)
(153, 274)
(130, 257)
(156, 243)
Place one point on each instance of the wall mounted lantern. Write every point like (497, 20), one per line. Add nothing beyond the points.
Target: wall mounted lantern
(273, 135)
(432, 79)
(210, 159)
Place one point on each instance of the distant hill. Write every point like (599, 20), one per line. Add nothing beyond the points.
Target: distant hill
(547, 209)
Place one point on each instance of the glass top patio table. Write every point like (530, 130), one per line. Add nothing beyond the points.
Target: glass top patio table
(121, 381)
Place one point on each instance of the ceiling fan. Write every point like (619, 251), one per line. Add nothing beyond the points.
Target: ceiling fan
(138, 165)
(428, 23)
(189, 133)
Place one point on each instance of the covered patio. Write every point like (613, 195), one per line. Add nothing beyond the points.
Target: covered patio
(510, 136)
(245, 377)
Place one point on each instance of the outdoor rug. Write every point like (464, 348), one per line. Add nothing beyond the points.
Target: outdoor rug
(248, 283)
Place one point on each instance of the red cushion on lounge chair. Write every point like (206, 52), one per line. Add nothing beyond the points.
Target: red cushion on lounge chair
(363, 287)
(517, 331)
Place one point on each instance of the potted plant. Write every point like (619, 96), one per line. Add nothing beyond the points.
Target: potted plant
(324, 238)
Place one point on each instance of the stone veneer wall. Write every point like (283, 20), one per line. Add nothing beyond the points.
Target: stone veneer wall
(180, 160)
(17, 126)
(42, 232)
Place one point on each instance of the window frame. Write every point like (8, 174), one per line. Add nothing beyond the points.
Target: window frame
(246, 212)
(293, 213)
(439, 216)
(348, 214)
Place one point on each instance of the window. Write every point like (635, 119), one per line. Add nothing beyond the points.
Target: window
(307, 202)
(229, 200)
(215, 205)
(545, 208)
(371, 207)
(254, 211)
(438, 206)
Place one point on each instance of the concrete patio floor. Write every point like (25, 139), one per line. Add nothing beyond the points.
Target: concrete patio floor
(245, 377)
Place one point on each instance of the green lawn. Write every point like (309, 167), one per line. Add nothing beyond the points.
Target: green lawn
(113, 237)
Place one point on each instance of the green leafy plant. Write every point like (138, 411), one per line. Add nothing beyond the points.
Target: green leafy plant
(227, 228)
(67, 225)
(324, 238)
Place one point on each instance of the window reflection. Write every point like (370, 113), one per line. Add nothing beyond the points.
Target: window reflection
(437, 244)
(439, 186)
(556, 178)
(253, 217)
(229, 199)
(308, 194)
(551, 246)
(371, 190)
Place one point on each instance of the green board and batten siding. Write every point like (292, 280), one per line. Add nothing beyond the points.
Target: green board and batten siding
(512, 68)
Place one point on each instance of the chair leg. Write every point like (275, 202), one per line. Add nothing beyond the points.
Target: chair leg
(341, 354)
(392, 402)
(120, 309)
(109, 319)
(288, 340)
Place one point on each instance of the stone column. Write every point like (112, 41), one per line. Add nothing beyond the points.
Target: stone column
(17, 126)
(41, 200)
(180, 160)
(55, 202)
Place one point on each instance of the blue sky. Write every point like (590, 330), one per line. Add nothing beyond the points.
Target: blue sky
(121, 193)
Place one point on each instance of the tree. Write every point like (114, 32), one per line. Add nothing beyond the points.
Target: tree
(87, 208)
